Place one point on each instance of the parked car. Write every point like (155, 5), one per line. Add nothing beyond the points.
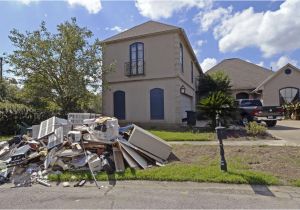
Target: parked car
(253, 110)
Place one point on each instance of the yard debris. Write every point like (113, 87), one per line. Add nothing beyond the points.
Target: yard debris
(84, 142)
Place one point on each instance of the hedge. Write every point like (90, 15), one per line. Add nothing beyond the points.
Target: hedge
(13, 115)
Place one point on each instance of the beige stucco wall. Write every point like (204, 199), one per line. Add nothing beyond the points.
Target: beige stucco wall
(187, 59)
(162, 70)
(137, 100)
(159, 56)
(271, 88)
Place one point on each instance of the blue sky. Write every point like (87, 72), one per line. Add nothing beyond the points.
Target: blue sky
(263, 32)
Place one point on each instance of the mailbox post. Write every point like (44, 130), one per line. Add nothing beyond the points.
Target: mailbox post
(221, 134)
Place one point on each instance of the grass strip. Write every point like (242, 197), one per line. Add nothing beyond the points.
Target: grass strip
(5, 138)
(183, 136)
(178, 172)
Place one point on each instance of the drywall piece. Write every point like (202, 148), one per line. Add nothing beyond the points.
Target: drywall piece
(150, 143)
(129, 159)
(118, 159)
(139, 159)
(56, 139)
(142, 151)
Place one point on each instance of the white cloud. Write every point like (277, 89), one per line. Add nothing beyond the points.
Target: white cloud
(208, 63)
(200, 43)
(27, 2)
(157, 9)
(210, 17)
(116, 28)
(282, 61)
(93, 6)
(271, 31)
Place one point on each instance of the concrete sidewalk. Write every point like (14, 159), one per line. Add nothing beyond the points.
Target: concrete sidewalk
(151, 194)
(241, 143)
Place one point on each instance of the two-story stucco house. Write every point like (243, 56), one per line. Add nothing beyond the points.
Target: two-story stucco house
(154, 78)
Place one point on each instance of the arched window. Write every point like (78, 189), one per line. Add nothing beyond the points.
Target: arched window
(157, 104)
(242, 95)
(181, 56)
(288, 95)
(137, 58)
(119, 104)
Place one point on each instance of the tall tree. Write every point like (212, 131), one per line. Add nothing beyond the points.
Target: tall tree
(210, 83)
(58, 69)
(214, 92)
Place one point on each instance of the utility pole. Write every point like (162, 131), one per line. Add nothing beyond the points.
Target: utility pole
(1, 68)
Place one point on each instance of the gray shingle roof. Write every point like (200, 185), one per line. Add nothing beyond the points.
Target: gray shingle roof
(243, 74)
(146, 28)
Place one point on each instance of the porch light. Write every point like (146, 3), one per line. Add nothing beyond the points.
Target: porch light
(182, 89)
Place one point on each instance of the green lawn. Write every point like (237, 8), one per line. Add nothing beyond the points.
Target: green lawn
(296, 183)
(178, 172)
(5, 138)
(184, 136)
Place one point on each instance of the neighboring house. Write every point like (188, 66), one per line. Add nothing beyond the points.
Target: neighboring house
(282, 87)
(244, 76)
(153, 81)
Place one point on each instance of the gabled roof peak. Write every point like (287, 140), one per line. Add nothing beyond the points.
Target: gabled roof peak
(147, 28)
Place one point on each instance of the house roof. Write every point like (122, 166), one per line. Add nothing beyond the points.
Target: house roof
(147, 28)
(243, 74)
(259, 87)
(152, 28)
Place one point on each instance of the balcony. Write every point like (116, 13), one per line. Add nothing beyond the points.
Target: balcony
(135, 68)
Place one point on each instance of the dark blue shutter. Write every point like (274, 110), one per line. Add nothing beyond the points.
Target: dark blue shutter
(157, 104)
(119, 104)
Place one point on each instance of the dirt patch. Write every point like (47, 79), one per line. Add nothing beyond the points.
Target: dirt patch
(283, 162)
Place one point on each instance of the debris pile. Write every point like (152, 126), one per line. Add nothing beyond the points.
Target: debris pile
(84, 142)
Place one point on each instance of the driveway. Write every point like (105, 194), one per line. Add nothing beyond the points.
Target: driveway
(151, 194)
(288, 130)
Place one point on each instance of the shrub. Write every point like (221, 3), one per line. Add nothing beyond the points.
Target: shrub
(12, 115)
(255, 129)
(217, 102)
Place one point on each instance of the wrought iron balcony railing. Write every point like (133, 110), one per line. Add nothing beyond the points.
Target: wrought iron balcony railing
(135, 68)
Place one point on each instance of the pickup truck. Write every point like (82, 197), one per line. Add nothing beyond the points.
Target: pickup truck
(253, 110)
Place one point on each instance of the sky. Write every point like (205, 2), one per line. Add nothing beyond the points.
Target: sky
(266, 33)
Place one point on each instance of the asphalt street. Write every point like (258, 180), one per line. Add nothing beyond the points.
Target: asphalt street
(147, 194)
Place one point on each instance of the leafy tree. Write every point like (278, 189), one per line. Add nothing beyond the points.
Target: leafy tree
(8, 91)
(214, 92)
(58, 69)
(209, 83)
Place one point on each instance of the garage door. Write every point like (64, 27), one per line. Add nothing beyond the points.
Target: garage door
(186, 105)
